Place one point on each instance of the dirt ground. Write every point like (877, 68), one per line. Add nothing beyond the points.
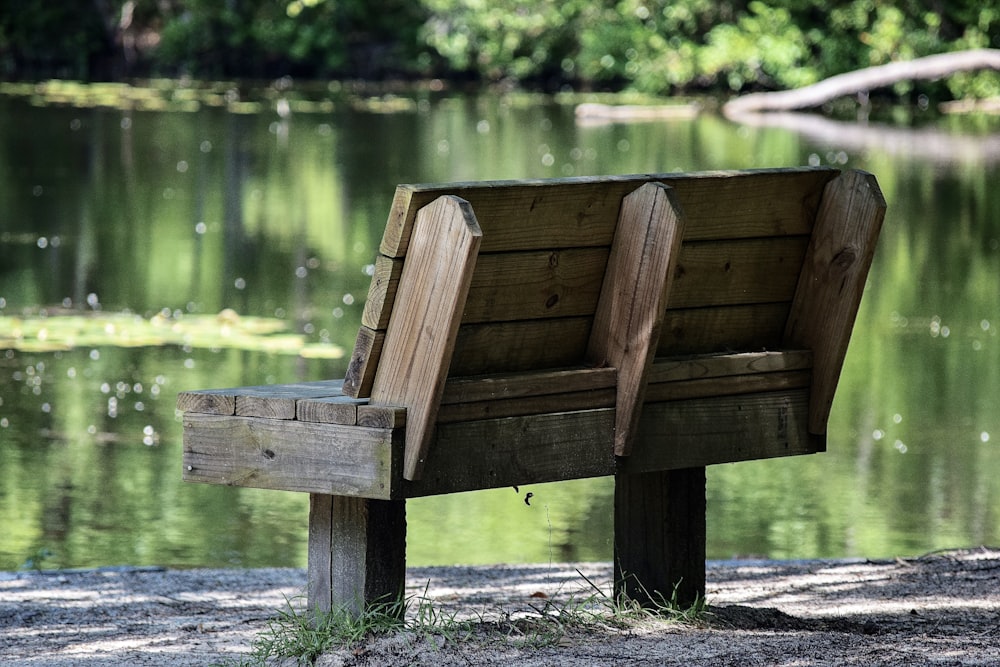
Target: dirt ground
(940, 609)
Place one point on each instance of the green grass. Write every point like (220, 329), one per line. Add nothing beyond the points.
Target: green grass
(293, 635)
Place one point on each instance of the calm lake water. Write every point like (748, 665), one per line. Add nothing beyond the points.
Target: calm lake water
(147, 252)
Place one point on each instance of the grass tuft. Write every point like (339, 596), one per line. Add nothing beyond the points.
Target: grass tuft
(302, 638)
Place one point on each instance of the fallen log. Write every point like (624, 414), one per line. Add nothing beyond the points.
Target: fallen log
(927, 68)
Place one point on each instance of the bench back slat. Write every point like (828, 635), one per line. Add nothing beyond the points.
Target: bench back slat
(576, 212)
(520, 346)
(723, 328)
(745, 271)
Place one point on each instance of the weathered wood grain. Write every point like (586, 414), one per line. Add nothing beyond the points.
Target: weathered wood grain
(518, 450)
(520, 346)
(277, 401)
(707, 431)
(381, 416)
(723, 329)
(535, 284)
(381, 292)
(659, 537)
(364, 363)
(207, 401)
(269, 400)
(558, 446)
(290, 455)
(577, 212)
(733, 272)
(665, 369)
(357, 555)
(627, 322)
(730, 385)
(526, 384)
(833, 279)
(420, 338)
(356, 461)
(330, 410)
(509, 286)
(533, 405)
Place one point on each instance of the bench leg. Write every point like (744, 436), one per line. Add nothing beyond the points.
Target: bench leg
(660, 536)
(357, 553)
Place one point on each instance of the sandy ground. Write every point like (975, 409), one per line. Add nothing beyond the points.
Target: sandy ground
(941, 609)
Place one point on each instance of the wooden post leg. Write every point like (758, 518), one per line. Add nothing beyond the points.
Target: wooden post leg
(357, 553)
(660, 536)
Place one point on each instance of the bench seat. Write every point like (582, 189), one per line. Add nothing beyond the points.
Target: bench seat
(310, 437)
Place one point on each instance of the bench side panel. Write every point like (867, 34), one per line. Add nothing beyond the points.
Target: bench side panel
(420, 338)
(832, 282)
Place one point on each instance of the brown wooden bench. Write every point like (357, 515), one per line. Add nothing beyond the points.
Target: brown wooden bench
(530, 331)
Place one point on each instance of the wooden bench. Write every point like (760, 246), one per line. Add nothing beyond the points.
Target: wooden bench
(530, 331)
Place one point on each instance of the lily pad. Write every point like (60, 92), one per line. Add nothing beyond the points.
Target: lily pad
(224, 330)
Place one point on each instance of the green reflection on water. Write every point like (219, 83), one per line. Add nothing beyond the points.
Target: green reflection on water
(182, 215)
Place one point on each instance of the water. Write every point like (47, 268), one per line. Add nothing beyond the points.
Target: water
(125, 235)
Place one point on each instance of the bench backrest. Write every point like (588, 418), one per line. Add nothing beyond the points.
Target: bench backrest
(567, 289)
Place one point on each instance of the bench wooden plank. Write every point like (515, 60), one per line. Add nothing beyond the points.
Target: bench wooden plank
(674, 390)
(538, 284)
(572, 445)
(723, 329)
(832, 281)
(269, 400)
(520, 346)
(341, 410)
(518, 450)
(722, 365)
(381, 416)
(526, 384)
(381, 292)
(420, 338)
(513, 286)
(533, 405)
(278, 401)
(289, 455)
(356, 461)
(736, 272)
(627, 322)
(708, 431)
(727, 386)
(207, 401)
(574, 212)
(515, 394)
(364, 362)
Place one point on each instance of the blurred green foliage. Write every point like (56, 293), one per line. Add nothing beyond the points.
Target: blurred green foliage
(653, 46)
